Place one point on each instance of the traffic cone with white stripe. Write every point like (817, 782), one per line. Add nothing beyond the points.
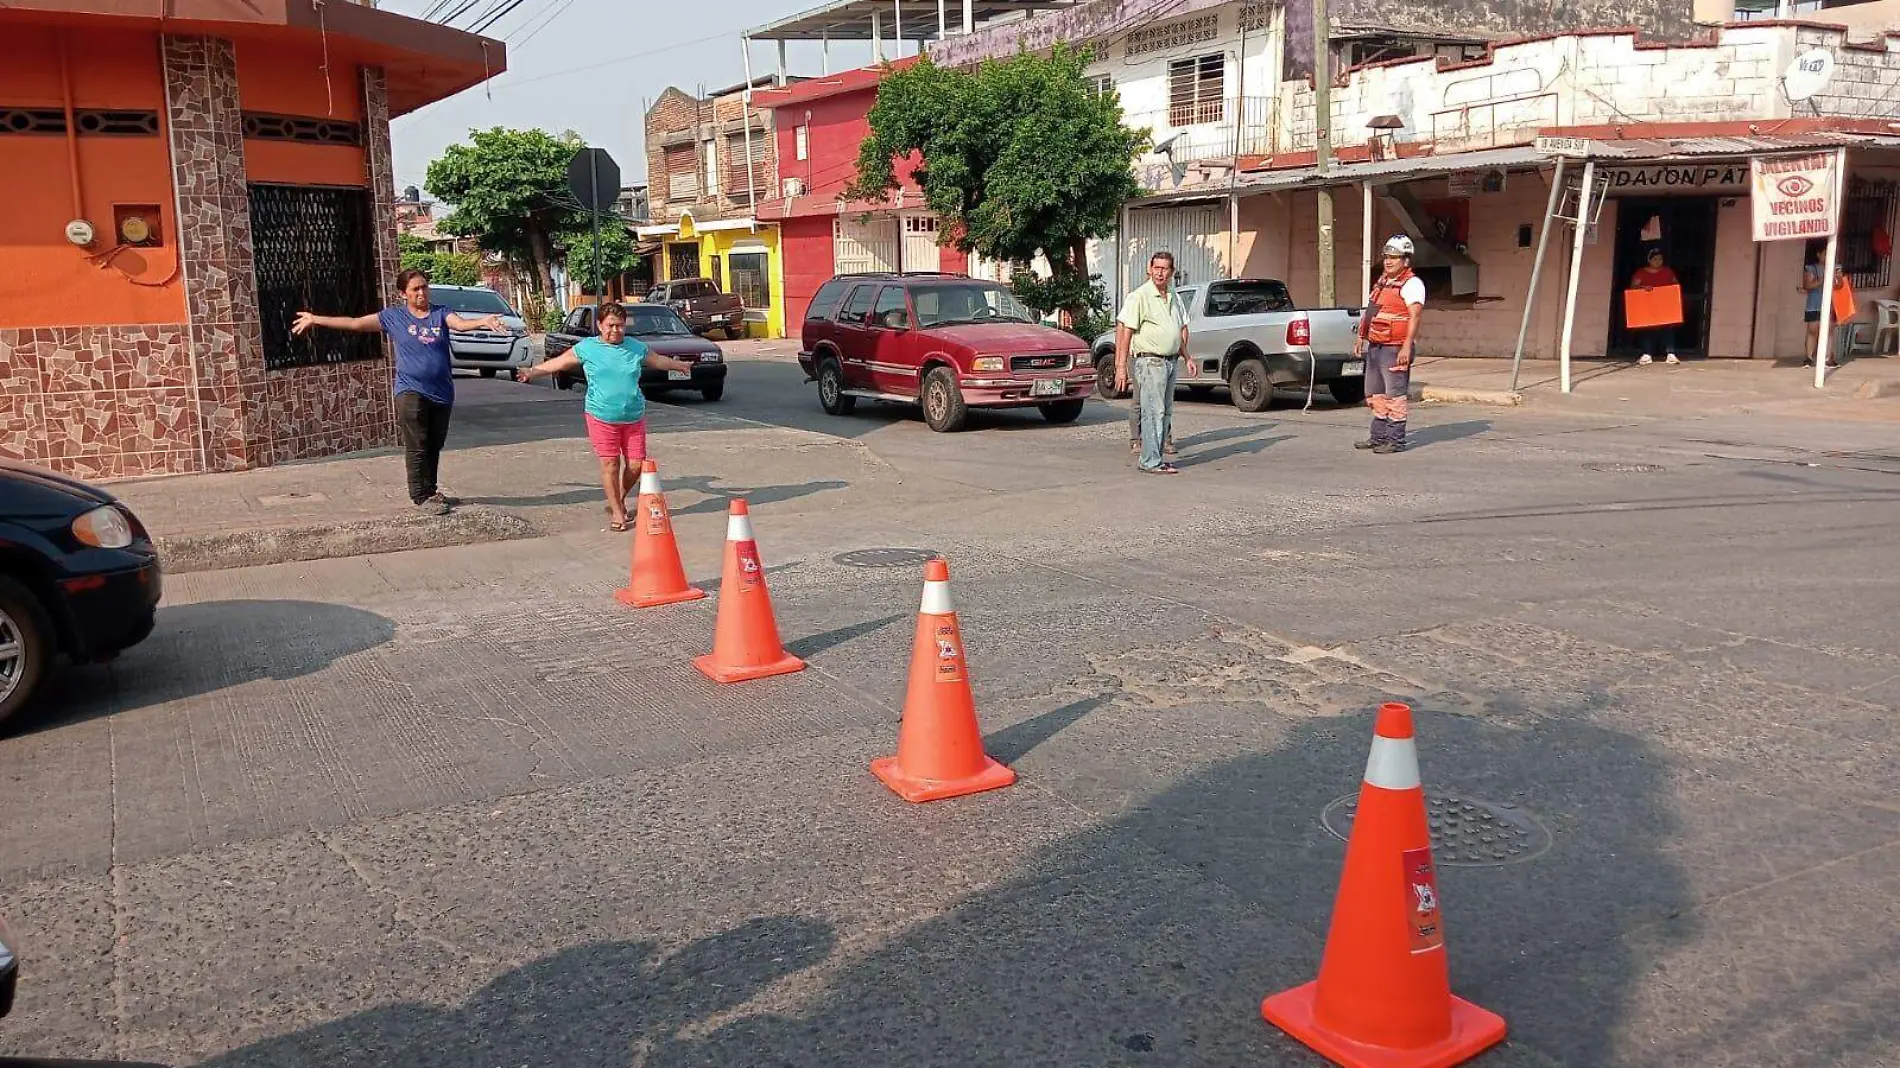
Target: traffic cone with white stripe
(656, 576)
(1383, 998)
(939, 748)
(745, 636)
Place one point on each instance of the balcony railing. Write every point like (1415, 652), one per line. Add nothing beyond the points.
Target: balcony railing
(1212, 130)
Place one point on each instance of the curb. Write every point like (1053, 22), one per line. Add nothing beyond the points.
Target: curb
(1455, 395)
(1877, 389)
(225, 549)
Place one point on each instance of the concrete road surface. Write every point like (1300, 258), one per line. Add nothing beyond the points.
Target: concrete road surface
(459, 808)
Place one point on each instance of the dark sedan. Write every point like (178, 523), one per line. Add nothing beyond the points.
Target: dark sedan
(659, 328)
(78, 576)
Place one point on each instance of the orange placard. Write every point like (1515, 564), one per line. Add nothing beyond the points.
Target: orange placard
(1644, 308)
(1843, 301)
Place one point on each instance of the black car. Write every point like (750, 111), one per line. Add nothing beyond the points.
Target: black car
(659, 328)
(78, 576)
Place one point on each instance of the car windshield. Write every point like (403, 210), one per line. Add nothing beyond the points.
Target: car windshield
(967, 302)
(654, 320)
(472, 301)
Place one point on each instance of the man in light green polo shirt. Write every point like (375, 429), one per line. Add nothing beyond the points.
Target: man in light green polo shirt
(1151, 334)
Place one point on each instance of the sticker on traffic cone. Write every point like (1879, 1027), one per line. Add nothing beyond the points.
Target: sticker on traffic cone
(656, 576)
(745, 637)
(939, 749)
(1383, 997)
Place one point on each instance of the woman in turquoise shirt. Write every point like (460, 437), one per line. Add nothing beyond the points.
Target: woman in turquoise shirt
(616, 409)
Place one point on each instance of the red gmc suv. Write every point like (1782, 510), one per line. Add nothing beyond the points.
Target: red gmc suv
(946, 341)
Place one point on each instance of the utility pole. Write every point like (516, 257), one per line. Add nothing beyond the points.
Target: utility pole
(1323, 146)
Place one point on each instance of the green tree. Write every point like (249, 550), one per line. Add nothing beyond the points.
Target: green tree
(509, 188)
(448, 268)
(1018, 157)
(616, 253)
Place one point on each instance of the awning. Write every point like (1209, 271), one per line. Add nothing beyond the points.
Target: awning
(851, 20)
(1382, 172)
(1660, 149)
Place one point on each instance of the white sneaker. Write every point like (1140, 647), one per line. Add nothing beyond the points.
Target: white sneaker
(1645, 361)
(1671, 358)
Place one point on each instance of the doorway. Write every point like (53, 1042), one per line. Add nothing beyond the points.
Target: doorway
(1684, 228)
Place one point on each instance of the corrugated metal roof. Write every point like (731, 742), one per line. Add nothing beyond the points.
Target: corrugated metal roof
(1752, 145)
(1250, 184)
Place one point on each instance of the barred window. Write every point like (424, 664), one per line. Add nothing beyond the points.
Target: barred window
(312, 250)
(750, 280)
(1101, 84)
(1868, 209)
(1195, 90)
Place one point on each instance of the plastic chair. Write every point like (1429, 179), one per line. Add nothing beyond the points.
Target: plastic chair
(1886, 321)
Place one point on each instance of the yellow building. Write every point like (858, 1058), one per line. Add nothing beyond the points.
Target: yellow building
(741, 255)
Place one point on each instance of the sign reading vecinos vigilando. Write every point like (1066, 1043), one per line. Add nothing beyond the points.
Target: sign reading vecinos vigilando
(1794, 196)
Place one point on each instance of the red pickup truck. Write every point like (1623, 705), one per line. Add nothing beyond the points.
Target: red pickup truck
(947, 342)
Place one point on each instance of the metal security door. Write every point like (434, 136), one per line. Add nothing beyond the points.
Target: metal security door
(857, 247)
(1193, 232)
(920, 244)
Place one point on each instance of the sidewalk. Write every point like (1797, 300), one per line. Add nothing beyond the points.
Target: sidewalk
(1866, 388)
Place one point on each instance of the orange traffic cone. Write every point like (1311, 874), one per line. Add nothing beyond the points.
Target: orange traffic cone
(1383, 998)
(939, 750)
(745, 637)
(656, 576)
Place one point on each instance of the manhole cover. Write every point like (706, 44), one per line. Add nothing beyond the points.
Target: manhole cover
(1466, 832)
(1624, 469)
(884, 557)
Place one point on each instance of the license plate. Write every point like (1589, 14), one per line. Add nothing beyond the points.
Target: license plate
(1356, 367)
(1048, 387)
(679, 376)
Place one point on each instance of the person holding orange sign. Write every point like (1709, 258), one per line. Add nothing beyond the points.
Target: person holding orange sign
(1660, 339)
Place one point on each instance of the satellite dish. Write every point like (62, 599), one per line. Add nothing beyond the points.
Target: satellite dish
(1808, 74)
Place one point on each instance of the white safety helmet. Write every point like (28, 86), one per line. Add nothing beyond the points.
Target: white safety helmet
(1400, 245)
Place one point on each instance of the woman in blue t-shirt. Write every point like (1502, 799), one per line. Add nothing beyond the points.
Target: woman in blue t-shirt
(425, 375)
(615, 409)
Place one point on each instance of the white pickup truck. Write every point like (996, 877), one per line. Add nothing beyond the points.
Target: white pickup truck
(1246, 334)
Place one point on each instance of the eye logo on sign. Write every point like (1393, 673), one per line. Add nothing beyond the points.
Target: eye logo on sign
(1794, 186)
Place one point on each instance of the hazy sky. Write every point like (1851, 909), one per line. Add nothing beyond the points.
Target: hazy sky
(593, 65)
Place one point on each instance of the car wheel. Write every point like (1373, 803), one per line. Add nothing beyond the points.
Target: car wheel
(944, 410)
(26, 646)
(713, 392)
(488, 372)
(1062, 411)
(1251, 389)
(1105, 379)
(831, 389)
(1348, 390)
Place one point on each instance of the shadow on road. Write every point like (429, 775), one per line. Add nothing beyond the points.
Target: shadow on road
(200, 648)
(592, 1006)
(1162, 932)
(1446, 432)
(1157, 933)
(1246, 447)
(719, 496)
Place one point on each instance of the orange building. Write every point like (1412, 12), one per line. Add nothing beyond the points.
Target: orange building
(182, 177)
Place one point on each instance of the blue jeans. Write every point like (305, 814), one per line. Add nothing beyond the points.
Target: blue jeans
(1154, 390)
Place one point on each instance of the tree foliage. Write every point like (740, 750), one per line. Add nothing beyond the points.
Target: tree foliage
(447, 268)
(616, 253)
(1017, 157)
(509, 191)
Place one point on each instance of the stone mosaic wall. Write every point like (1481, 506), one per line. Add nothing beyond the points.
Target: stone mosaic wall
(106, 402)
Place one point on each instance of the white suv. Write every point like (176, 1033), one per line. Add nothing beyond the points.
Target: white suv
(483, 350)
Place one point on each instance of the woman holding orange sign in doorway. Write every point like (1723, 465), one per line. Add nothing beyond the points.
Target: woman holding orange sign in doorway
(1660, 337)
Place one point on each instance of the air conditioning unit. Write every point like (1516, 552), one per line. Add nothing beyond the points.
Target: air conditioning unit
(794, 187)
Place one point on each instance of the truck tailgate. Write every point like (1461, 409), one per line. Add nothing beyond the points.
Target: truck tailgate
(1333, 329)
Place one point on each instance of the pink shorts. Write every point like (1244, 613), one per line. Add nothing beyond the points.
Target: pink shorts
(614, 440)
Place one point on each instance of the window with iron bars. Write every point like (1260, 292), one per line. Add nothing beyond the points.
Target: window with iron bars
(1196, 89)
(749, 279)
(1868, 208)
(312, 250)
